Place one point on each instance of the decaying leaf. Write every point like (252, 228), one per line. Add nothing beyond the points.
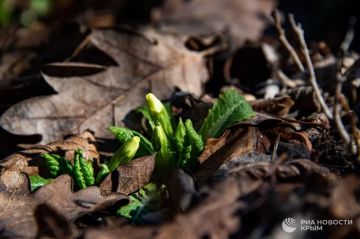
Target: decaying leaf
(94, 97)
(17, 204)
(240, 18)
(243, 141)
(129, 178)
(279, 106)
(30, 162)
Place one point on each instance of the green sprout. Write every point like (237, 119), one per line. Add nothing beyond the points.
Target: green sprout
(122, 156)
(159, 114)
(125, 153)
(83, 170)
(177, 144)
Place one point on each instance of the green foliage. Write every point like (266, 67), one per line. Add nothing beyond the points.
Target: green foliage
(164, 156)
(193, 138)
(103, 172)
(125, 153)
(180, 136)
(57, 165)
(192, 146)
(230, 108)
(83, 170)
(146, 200)
(5, 13)
(160, 114)
(35, 9)
(124, 134)
(145, 111)
(37, 181)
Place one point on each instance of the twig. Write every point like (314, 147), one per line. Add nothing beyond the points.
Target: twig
(300, 35)
(337, 118)
(285, 42)
(349, 37)
(276, 145)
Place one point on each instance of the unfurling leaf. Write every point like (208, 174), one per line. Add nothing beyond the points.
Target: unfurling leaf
(164, 157)
(57, 165)
(160, 114)
(230, 108)
(83, 171)
(37, 181)
(125, 153)
(180, 136)
(124, 134)
(103, 172)
(194, 138)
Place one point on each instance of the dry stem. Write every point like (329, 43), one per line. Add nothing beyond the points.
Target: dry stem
(300, 35)
(285, 42)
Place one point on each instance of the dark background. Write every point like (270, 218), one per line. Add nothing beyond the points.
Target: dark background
(325, 19)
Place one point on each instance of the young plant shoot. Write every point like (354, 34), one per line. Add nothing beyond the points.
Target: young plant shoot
(175, 144)
(122, 156)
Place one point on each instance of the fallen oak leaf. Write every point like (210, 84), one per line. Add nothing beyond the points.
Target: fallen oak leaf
(91, 96)
(129, 178)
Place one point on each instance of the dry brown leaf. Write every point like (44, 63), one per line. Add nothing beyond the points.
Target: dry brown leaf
(279, 106)
(30, 162)
(214, 144)
(246, 140)
(240, 18)
(94, 97)
(17, 204)
(214, 217)
(129, 178)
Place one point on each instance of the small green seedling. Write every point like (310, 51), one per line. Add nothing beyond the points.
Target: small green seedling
(176, 144)
(181, 145)
(122, 156)
(83, 170)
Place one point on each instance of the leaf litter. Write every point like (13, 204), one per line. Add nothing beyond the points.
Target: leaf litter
(288, 158)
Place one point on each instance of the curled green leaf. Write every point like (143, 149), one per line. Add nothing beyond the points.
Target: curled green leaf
(37, 181)
(52, 163)
(78, 174)
(180, 136)
(194, 138)
(124, 134)
(103, 172)
(164, 156)
(125, 153)
(87, 170)
(160, 114)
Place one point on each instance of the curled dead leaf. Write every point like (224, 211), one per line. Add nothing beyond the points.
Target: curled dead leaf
(279, 106)
(129, 178)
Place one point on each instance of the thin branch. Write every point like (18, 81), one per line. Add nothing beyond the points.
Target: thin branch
(285, 42)
(349, 37)
(345, 136)
(300, 35)
(276, 145)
